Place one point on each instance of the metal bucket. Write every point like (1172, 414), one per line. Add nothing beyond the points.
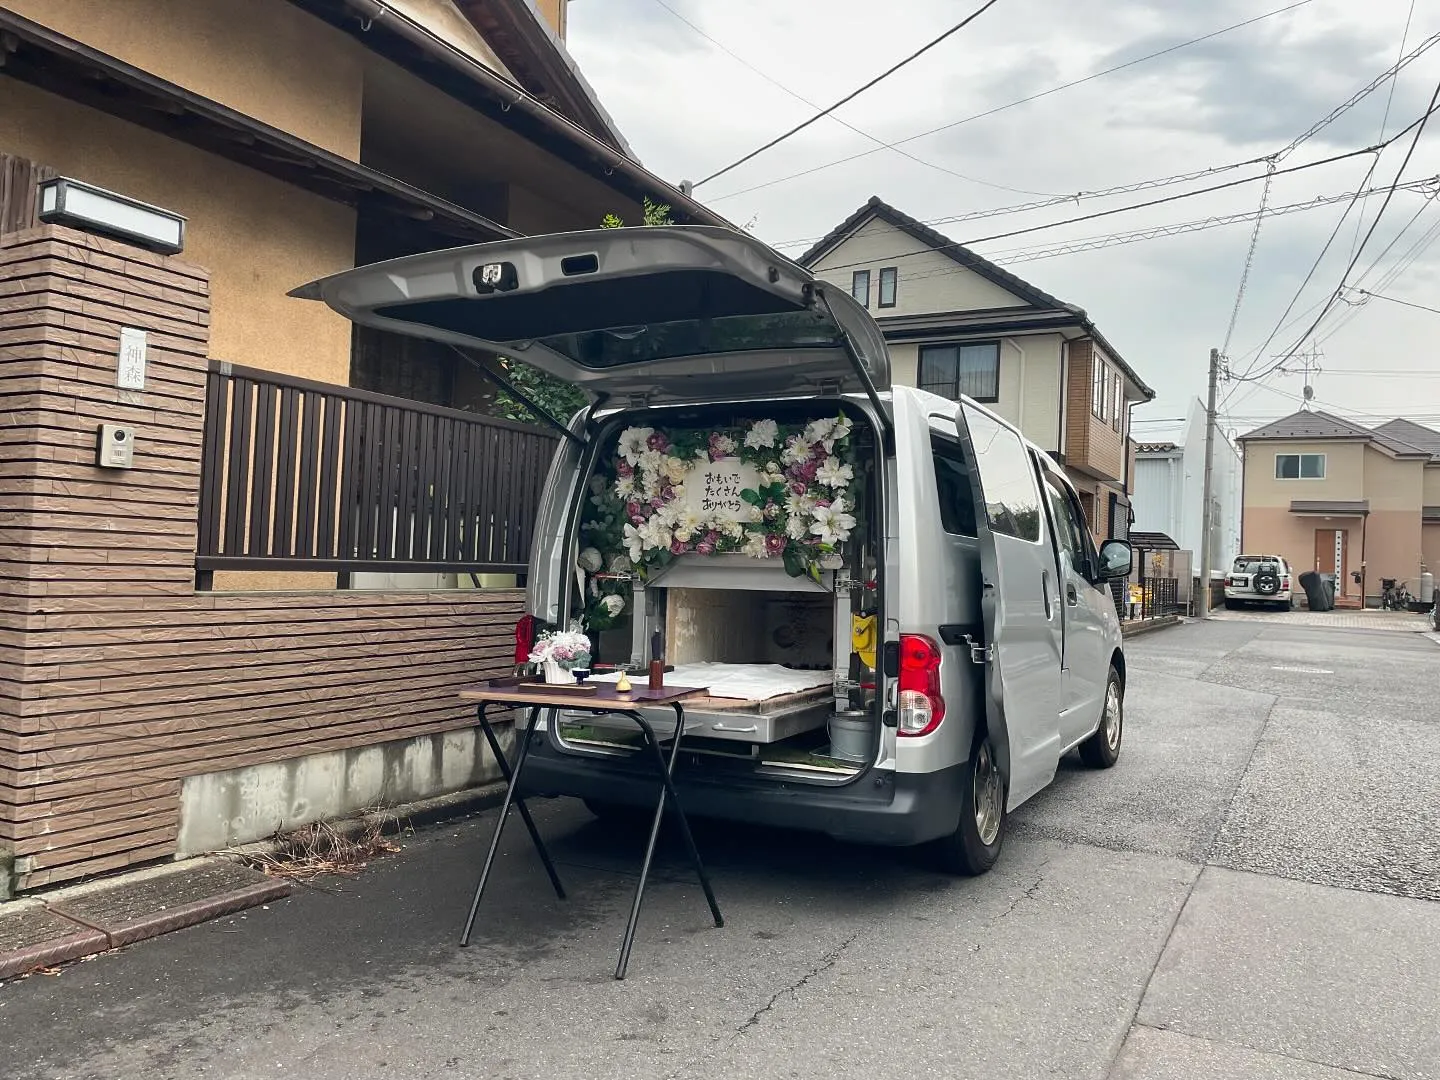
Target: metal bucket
(852, 735)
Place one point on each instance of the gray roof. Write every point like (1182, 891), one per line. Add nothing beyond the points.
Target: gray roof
(1336, 507)
(1314, 425)
(956, 252)
(1413, 434)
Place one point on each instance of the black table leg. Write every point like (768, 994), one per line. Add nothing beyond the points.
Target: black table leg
(504, 815)
(509, 775)
(667, 790)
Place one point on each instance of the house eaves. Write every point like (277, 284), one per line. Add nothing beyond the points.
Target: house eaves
(1312, 425)
(391, 33)
(1330, 507)
(537, 57)
(877, 208)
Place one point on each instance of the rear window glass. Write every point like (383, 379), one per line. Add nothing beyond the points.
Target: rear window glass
(619, 346)
(952, 478)
(1245, 565)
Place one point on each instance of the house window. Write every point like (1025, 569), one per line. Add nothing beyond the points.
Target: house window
(1099, 388)
(860, 287)
(1119, 403)
(972, 369)
(888, 276)
(1299, 466)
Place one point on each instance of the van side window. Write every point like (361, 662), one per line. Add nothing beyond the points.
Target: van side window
(952, 477)
(1007, 477)
(1069, 533)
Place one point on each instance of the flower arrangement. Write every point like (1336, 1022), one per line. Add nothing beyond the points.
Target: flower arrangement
(797, 502)
(564, 648)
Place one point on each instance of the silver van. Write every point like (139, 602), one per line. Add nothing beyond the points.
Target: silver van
(892, 598)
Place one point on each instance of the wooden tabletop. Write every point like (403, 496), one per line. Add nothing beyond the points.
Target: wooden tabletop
(606, 696)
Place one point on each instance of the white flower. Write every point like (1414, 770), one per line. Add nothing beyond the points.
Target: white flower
(755, 546)
(817, 431)
(656, 534)
(762, 434)
(625, 487)
(633, 442)
(634, 543)
(591, 560)
(723, 445)
(832, 524)
(687, 522)
(832, 473)
(799, 505)
(843, 426)
(797, 528)
(619, 564)
(772, 469)
(613, 605)
(650, 484)
(675, 469)
(651, 461)
(733, 529)
(796, 450)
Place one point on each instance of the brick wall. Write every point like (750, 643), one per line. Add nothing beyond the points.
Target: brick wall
(118, 680)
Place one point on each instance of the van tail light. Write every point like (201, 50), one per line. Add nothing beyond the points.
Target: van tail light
(1285, 582)
(921, 705)
(524, 639)
(1229, 583)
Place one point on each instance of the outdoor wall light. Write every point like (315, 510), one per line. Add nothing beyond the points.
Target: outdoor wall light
(64, 201)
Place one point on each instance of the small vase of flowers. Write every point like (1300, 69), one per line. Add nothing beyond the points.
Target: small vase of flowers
(558, 653)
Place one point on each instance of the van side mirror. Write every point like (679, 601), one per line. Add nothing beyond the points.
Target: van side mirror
(1116, 560)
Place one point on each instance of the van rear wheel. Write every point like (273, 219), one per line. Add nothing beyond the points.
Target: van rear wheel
(975, 844)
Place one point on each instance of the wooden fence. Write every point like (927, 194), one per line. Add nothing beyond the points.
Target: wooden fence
(300, 475)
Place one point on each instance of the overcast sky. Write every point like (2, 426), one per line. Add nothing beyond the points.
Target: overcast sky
(689, 109)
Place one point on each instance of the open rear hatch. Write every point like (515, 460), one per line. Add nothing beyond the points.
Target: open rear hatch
(647, 316)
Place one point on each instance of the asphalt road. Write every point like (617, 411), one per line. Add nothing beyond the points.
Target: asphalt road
(1254, 891)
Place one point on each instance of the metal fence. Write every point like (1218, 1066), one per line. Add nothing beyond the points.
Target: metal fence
(301, 475)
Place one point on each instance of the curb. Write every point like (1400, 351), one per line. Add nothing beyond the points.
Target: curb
(1149, 626)
(109, 913)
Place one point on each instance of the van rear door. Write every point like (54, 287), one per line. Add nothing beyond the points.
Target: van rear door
(1019, 602)
(649, 316)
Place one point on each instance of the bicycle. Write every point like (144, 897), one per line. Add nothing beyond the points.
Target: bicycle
(1394, 597)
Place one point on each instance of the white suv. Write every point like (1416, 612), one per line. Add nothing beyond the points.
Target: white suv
(1259, 579)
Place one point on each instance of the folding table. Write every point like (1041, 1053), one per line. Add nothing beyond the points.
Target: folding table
(605, 700)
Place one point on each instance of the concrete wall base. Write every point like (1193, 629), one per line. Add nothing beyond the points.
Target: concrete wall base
(224, 809)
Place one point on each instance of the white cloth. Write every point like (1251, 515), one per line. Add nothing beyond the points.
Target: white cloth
(744, 682)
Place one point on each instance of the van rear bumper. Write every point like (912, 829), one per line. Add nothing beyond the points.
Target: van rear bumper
(881, 807)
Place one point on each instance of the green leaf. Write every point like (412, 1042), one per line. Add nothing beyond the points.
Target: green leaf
(754, 498)
(794, 561)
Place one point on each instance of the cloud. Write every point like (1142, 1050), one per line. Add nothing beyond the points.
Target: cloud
(688, 109)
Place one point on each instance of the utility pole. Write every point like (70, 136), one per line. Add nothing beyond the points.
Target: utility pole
(1207, 512)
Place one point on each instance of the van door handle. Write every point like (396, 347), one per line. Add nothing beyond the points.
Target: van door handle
(1045, 592)
(1071, 596)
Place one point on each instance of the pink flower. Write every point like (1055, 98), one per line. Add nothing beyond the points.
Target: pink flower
(822, 502)
(624, 468)
(658, 441)
(678, 548)
(705, 547)
(774, 543)
(632, 509)
(798, 487)
(637, 519)
(712, 537)
(656, 503)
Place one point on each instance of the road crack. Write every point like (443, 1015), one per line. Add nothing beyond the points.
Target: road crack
(827, 961)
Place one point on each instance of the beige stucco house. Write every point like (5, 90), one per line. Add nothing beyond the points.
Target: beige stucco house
(957, 323)
(1330, 495)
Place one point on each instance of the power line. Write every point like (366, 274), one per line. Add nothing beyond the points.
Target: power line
(1402, 264)
(1058, 200)
(1022, 101)
(1389, 101)
(855, 93)
(1158, 232)
(1126, 209)
(1394, 184)
(806, 101)
(1250, 254)
(1396, 300)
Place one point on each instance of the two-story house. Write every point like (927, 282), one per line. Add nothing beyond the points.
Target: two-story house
(1361, 504)
(959, 324)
